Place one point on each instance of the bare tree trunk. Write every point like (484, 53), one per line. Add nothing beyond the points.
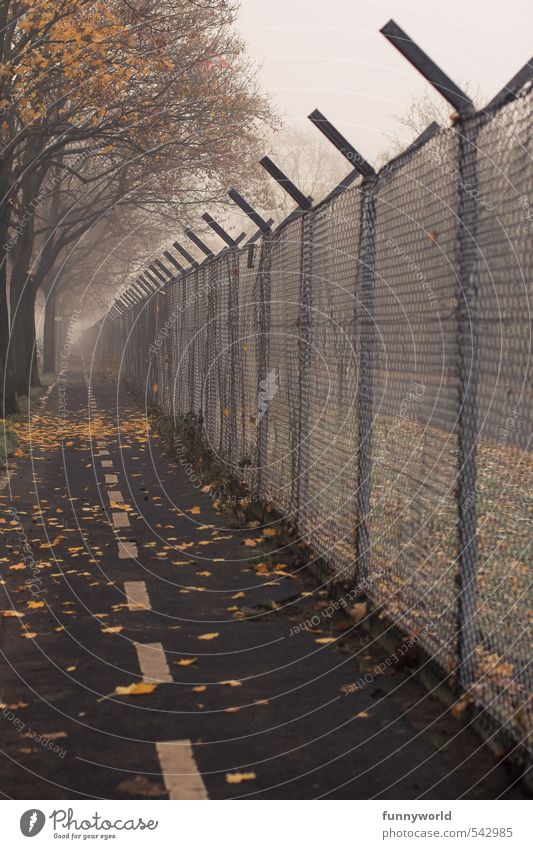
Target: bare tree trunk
(22, 293)
(8, 397)
(49, 334)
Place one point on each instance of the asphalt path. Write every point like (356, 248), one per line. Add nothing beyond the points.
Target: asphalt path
(117, 571)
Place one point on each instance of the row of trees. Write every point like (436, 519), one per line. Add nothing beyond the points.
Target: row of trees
(114, 116)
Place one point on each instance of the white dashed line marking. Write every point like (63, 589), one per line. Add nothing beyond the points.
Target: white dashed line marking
(137, 595)
(115, 495)
(107, 464)
(153, 663)
(179, 770)
(127, 550)
(111, 479)
(120, 519)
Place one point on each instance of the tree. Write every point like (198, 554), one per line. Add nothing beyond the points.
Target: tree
(151, 84)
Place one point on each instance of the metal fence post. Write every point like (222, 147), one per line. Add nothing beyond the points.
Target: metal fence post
(301, 453)
(467, 418)
(263, 320)
(233, 326)
(365, 327)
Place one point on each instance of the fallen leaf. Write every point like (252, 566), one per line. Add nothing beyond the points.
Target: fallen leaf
(232, 710)
(140, 689)
(15, 706)
(362, 714)
(201, 688)
(270, 532)
(324, 640)
(30, 635)
(231, 683)
(460, 706)
(70, 669)
(116, 629)
(8, 614)
(194, 511)
(186, 661)
(238, 777)
(359, 611)
(209, 636)
(251, 543)
(141, 786)
(238, 595)
(33, 605)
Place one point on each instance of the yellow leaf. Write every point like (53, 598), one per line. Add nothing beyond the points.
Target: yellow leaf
(231, 683)
(209, 636)
(30, 635)
(201, 688)
(8, 614)
(33, 605)
(195, 511)
(227, 411)
(18, 566)
(238, 777)
(270, 532)
(70, 669)
(232, 710)
(140, 689)
(460, 706)
(324, 640)
(238, 595)
(362, 714)
(116, 629)
(250, 542)
(186, 661)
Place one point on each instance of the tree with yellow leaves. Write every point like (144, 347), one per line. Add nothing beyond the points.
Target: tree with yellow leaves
(111, 90)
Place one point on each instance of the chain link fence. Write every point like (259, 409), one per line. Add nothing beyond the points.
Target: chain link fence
(366, 368)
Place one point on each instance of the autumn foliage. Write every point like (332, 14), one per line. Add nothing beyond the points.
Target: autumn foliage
(109, 99)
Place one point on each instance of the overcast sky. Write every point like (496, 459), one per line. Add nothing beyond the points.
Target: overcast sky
(329, 54)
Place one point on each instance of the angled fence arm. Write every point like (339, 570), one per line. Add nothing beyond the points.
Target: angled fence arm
(286, 184)
(185, 254)
(428, 68)
(198, 242)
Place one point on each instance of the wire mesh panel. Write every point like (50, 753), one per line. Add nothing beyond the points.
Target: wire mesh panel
(278, 390)
(502, 494)
(415, 397)
(248, 366)
(327, 513)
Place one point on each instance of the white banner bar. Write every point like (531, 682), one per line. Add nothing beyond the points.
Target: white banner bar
(263, 824)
